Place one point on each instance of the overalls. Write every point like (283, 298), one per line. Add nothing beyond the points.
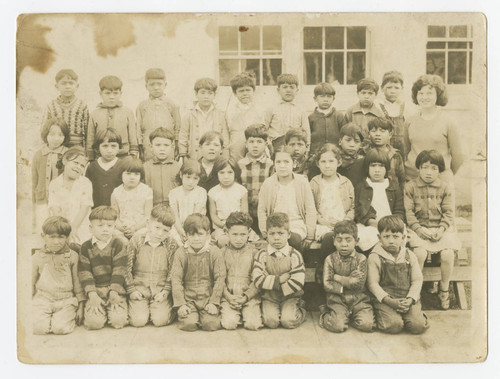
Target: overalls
(398, 131)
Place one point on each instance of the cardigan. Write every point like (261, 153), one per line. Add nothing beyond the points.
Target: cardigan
(325, 128)
(104, 181)
(162, 177)
(346, 192)
(42, 172)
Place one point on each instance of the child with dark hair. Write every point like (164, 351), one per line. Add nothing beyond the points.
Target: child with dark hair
(279, 274)
(350, 142)
(133, 200)
(69, 108)
(201, 117)
(430, 211)
(105, 172)
(198, 276)
(395, 281)
(156, 112)
(58, 297)
(344, 281)
(55, 136)
(211, 145)
(240, 301)
(296, 142)
(110, 113)
(150, 258)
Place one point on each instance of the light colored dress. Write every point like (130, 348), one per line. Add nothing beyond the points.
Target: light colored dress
(131, 204)
(330, 207)
(286, 202)
(187, 203)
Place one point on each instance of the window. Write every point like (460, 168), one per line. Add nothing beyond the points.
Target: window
(255, 49)
(449, 53)
(334, 54)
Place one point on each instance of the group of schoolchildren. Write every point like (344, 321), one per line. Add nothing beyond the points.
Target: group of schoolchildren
(176, 208)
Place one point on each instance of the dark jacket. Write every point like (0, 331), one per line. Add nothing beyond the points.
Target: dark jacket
(325, 128)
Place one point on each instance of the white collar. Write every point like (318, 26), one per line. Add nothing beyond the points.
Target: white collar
(147, 239)
(106, 165)
(100, 244)
(285, 250)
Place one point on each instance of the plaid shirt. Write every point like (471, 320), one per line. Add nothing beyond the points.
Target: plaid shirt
(253, 174)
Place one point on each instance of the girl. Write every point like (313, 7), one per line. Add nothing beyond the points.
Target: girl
(187, 199)
(377, 196)
(226, 197)
(55, 135)
(132, 200)
(70, 194)
(105, 173)
(430, 205)
(211, 144)
(291, 194)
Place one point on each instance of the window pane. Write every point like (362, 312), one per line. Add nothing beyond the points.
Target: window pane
(250, 40)
(458, 31)
(227, 69)
(272, 38)
(228, 39)
(436, 45)
(470, 67)
(334, 68)
(457, 45)
(334, 38)
(252, 66)
(435, 64)
(271, 68)
(313, 68)
(313, 38)
(457, 67)
(356, 37)
(434, 31)
(356, 63)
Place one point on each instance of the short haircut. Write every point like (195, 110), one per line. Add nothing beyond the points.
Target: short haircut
(163, 214)
(434, 81)
(278, 220)
(133, 165)
(70, 155)
(195, 223)
(205, 83)
(351, 130)
(367, 84)
(61, 124)
(210, 136)
(190, 167)
(326, 148)
(380, 123)
(346, 227)
(243, 79)
(287, 79)
(392, 77)
(161, 133)
(256, 131)
(110, 83)
(239, 218)
(376, 156)
(103, 212)
(431, 156)
(391, 223)
(223, 161)
(155, 73)
(66, 72)
(110, 135)
(323, 89)
(282, 149)
(56, 225)
(298, 133)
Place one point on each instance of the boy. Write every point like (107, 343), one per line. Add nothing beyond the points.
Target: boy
(279, 274)
(110, 113)
(150, 257)
(287, 114)
(380, 131)
(198, 277)
(58, 296)
(241, 300)
(255, 167)
(296, 141)
(156, 112)
(69, 108)
(160, 173)
(364, 110)
(241, 115)
(395, 281)
(102, 269)
(202, 117)
(344, 278)
(325, 122)
(350, 145)
(211, 144)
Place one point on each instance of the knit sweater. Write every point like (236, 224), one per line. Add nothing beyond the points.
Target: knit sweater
(345, 275)
(325, 128)
(104, 182)
(162, 178)
(239, 266)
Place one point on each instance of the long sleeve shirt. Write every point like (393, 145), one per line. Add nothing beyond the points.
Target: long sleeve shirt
(43, 171)
(345, 274)
(325, 128)
(104, 181)
(162, 178)
(239, 266)
(285, 116)
(361, 117)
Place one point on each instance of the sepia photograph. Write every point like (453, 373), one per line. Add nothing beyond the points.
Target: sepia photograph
(251, 188)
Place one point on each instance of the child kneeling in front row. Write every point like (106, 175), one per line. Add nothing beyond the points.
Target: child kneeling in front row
(58, 297)
(279, 274)
(395, 281)
(344, 279)
(241, 300)
(198, 277)
(150, 258)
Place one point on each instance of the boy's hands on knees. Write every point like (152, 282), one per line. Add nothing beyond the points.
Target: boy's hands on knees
(79, 313)
(211, 309)
(393, 303)
(136, 295)
(405, 304)
(114, 298)
(284, 277)
(240, 300)
(160, 296)
(94, 301)
(183, 310)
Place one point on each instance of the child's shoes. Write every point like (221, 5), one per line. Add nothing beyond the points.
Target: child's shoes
(444, 298)
(433, 288)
